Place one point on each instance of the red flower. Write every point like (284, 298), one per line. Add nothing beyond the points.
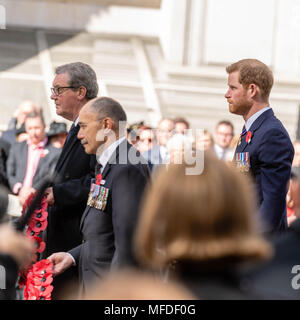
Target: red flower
(37, 226)
(37, 278)
(43, 265)
(45, 281)
(248, 137)
(39, 244)
(31, 293)
(44, 291)
(40, 215)
(30, 233)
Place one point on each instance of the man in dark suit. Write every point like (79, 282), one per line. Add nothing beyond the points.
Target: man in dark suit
(73, 86)
(279, 278)
(109, 220)
(29, 162)
(264, 148)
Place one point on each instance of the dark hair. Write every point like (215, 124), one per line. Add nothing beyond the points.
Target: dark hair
(35, 115)
(108, 107)
(182, 120)
(81, 74)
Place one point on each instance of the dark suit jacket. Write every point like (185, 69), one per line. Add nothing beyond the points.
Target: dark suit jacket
(73, 172)
(9, 266)
(4, 152)
(9, 136)
(217, 282)
(108, 234)
(271, 154)
(153, 157)
(275, 279)
(17, 164)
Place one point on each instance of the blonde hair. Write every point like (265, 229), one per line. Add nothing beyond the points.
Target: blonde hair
(199, 217)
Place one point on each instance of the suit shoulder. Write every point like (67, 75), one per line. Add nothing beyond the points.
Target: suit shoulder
(18, 146)
(51, 148)
(274, 127)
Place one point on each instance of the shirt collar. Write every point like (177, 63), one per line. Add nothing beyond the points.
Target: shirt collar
(251, 120)
(76, 121)
(39, 145)
(107, 153)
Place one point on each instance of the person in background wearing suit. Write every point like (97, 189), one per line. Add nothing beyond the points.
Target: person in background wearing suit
(17, 123)
(159, 155)
(73, 86)
(109, 220)
(279, 278)
(224, 134)
(264, 149)
(180, 125)
(30, 161)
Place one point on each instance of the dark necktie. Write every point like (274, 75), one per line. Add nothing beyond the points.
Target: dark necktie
(73, 131)
(244, 131)
(98, 168)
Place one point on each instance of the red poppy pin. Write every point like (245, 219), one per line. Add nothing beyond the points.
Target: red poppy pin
(248, 137)
(44, 153)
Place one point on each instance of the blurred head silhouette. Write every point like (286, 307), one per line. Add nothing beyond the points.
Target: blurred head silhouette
(199, 218)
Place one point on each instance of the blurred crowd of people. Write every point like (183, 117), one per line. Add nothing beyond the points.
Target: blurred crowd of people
(146, 228)
(28, 151)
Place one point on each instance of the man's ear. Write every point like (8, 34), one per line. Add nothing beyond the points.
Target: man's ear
(108, 123)
(82, 92)
(254, 90)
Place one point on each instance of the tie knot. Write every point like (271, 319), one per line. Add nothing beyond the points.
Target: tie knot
(98, 168)
(244, 131)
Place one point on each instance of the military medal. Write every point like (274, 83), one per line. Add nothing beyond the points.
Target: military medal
(98, 194)
(242, 160)
(240, 140)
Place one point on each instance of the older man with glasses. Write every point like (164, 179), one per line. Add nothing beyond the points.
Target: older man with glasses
(73, 86)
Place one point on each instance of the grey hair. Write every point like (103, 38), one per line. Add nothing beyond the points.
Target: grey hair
(81, 74)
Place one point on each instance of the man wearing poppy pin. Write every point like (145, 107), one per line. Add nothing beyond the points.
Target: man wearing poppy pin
(30, 161)
(109, 220)
(264, 140)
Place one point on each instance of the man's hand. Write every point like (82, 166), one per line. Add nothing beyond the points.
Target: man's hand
(61, 262)
(24, 193)
(50, 196)
(16, 245)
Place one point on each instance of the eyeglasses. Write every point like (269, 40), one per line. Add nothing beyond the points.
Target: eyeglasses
(57, 90)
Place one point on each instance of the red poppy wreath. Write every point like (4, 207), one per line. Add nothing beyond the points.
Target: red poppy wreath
(36, 278)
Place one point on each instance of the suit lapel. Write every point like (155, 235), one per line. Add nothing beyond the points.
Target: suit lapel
(255, 126)
(24, 154)
(66, 149)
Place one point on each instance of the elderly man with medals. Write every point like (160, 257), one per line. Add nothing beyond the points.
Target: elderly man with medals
(109, 220)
